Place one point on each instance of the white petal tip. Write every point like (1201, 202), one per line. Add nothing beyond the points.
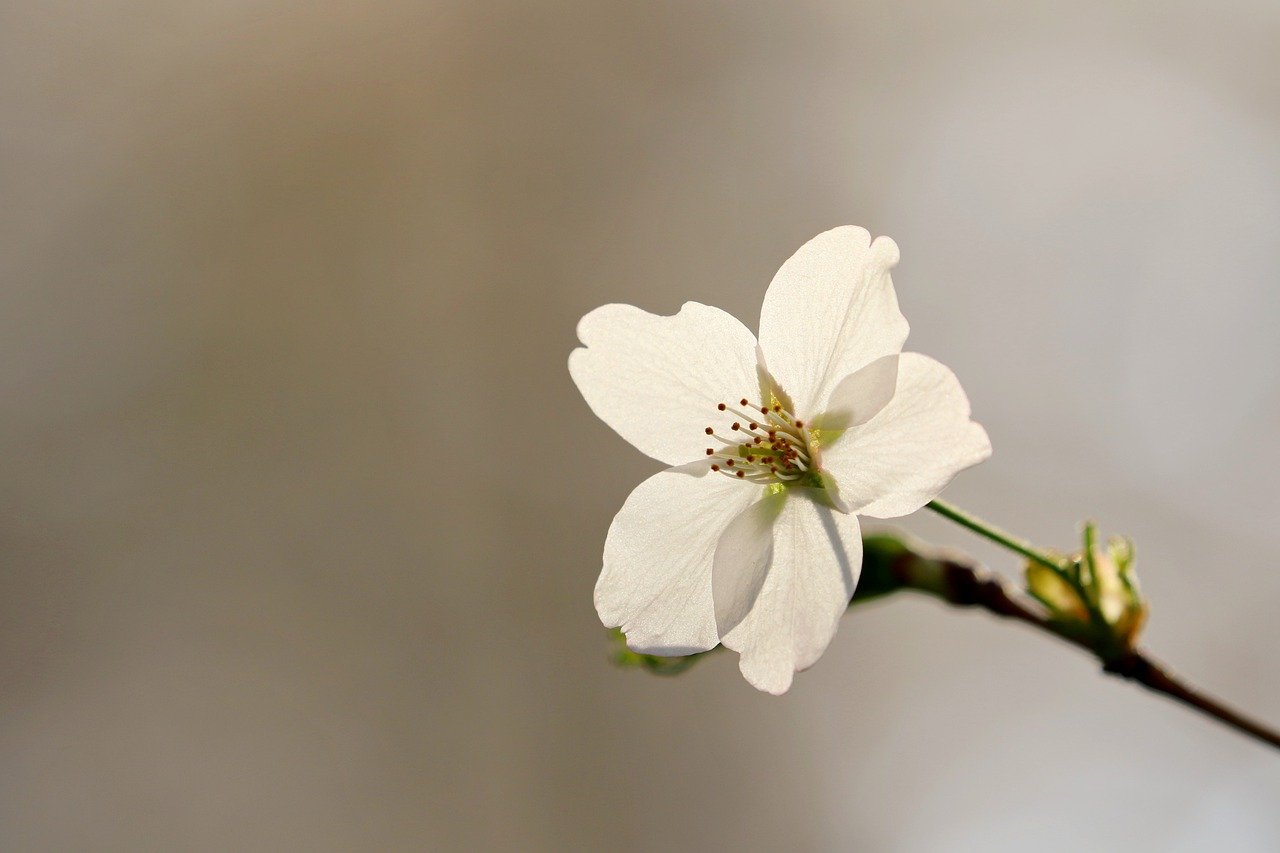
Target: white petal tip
(885, 252)
(982, 442)
(665, 650)
(775, 682)
(647, 643)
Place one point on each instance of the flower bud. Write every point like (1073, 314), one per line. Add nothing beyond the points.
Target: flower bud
(1056, 593)
(1115, 590)
(1093, 596)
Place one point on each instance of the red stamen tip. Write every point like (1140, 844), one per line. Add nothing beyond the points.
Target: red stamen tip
(742, 474)
(709, 431)
(736, 426)
(729, 462)
(800, 424)
(710, 452)
(721, 407)
(715, 467)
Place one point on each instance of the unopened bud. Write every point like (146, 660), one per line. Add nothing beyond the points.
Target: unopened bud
(1056, 593)
(1115, 586)
(1094, 595)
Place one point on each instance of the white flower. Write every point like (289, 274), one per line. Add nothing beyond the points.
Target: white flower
(751, 539)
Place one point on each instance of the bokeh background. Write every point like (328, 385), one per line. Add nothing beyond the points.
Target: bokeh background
(300, 513)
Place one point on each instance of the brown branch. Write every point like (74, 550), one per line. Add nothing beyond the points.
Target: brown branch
(1151, 675)
(966, 584)
(892, 563)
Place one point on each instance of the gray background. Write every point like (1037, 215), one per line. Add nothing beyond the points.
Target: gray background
(300, 513)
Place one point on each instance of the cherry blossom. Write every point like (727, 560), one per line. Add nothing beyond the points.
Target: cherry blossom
(750, 538)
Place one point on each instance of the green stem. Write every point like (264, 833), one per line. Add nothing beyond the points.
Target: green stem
(995, 534)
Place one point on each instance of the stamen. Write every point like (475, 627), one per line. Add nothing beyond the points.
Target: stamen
(793, 440)
(782, 441)
(742, 414)
(779, 419)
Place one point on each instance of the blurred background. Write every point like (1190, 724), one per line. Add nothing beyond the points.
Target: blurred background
(300, 512)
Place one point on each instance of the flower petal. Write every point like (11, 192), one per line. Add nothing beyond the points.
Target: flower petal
(907, 454)
(860, 396)
(656, 380)
(817, 556)
(656, 580)
(742, 559)
(830, 310)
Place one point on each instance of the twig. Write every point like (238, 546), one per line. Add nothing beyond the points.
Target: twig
(966, 584)
(891, 563)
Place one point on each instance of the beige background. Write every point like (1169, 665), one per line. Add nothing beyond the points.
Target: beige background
(300, 513)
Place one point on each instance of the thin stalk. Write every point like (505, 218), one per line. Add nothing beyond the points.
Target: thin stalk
(994, 534)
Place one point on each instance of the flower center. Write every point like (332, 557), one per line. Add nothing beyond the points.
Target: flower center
(766, 444)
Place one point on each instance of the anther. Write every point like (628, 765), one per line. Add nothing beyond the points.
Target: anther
(721, 407)
(709, 431)
(736, 425)
(729, 462)
(800, 424)
(754, 425)
(711, 451)
(742, 473)
(715, 467)
(742, 402)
